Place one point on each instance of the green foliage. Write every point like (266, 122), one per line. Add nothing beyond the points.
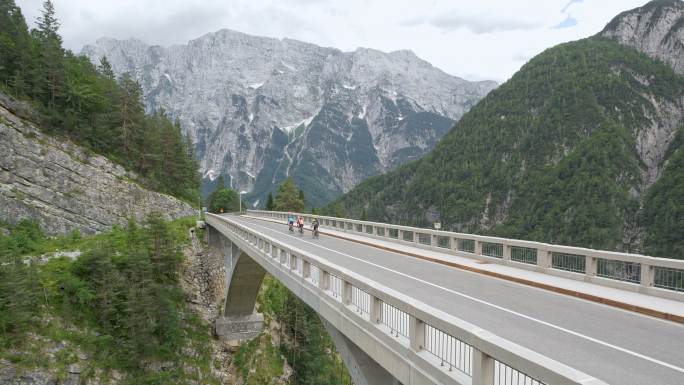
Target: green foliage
(304, 341)
(86, 103)
(224, 200)
(584, 199)
(289, 197)
(259, 354)
(19, 285)
(548, 156)
(123, 292)
(270, 204)
(663, 215)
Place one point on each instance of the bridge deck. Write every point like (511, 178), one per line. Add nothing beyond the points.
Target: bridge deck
(616, 346)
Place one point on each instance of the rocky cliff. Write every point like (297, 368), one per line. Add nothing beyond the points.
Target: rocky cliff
(64, 187)
(656, 29)
(262, 109)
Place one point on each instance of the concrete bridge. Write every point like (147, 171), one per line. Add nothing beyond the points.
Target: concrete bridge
(416, 306)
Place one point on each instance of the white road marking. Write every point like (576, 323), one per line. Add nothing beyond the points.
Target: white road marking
(571, 332)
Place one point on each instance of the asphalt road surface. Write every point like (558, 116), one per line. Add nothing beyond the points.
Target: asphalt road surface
(616, 346)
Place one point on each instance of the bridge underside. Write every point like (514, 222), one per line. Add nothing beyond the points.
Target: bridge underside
(243, 279)
(361, 367)
(240, 321)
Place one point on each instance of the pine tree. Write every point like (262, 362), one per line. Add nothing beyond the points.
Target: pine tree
(302, 197)
(289, 197)
(105, 69)
(270, 206)
(15, 48)
(131, 112)
(50, 82)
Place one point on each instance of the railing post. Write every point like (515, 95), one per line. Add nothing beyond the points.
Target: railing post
(589, 267)
(416, 333)
(543, 259)
(506, 252)
(647, 275)
(483, 368)
(375, 309)
(346, 293)
(323, 278)
(306, 269)
(478, 247)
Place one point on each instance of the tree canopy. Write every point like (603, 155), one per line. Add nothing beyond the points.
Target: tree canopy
(89, 105)
(289, 197)
(552, 156)
(224, 200)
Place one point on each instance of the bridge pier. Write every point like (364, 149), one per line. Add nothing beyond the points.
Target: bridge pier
(239, 328)
(361, 367)
(239, 321)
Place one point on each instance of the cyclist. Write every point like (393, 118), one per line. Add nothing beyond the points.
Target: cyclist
(314, 226)
(290, 221)
(300, 224)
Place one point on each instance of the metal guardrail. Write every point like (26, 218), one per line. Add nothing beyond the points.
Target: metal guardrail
(361, 301)
(452, 352)
(661, 277)
(396, 320)
(672, 279)
(335, 286)
(485, 358)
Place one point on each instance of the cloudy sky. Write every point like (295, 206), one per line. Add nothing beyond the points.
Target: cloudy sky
(483, 39)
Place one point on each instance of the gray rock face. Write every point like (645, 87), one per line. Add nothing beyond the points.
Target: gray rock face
(63, 187)
(657, 29)
(262, 109)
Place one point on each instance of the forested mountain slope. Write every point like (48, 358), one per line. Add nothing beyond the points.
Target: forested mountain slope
(577, 148)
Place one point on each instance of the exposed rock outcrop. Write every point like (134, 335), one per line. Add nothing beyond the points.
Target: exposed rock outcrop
(262, 109)
(204, 284)
(656, 29)
(64, 187)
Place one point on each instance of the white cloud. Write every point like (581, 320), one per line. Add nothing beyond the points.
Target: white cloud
(486, 39)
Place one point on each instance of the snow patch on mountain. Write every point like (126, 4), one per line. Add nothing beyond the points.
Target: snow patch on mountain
(241, 99)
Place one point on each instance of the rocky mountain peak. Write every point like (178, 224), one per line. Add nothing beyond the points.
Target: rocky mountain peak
(262, 109)
(656, 29)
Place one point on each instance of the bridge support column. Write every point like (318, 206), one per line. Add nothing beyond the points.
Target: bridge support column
(361, 367)
(239, 328)
(243, 280)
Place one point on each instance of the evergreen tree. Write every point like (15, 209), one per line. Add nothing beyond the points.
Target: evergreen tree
(270, 205)
(50, 77)
(224, 200)
(302, 197)
(131, 115)
(289, 197)
(15, 48)
(105, 69)
(89, 105)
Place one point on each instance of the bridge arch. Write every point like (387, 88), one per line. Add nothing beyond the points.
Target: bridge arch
(240, 321)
